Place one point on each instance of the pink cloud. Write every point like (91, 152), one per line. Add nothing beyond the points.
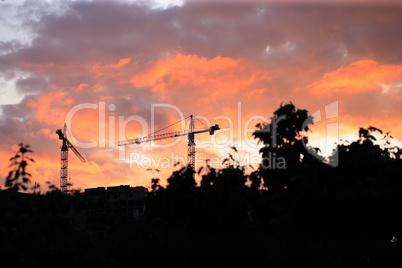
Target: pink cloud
(360, 76)
(207, 60)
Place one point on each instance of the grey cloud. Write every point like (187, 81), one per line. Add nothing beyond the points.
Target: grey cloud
(32, 84)
(20, 110)
(101, 32)
(7, 47)
(10, 126)
(302, 38)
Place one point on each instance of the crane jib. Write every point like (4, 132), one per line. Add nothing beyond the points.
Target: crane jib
(211, 131)
(190, 133)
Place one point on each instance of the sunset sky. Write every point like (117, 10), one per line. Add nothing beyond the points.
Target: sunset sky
(231, 63)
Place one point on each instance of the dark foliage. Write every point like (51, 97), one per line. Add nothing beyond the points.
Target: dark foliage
(284, 146)
(312, 215)
(18, 178)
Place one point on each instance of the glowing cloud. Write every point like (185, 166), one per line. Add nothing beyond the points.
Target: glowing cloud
(360, 76)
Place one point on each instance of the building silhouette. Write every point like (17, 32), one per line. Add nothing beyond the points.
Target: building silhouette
(120, 200)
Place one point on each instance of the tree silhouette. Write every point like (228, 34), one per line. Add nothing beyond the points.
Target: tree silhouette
(283, 149)
(231, 177)
(365, 134)
(18, 177)
(255, 181)
(209, 178)
(316, 215)
(230, 161)
(155, 185)
(286, 127)
(181, 180)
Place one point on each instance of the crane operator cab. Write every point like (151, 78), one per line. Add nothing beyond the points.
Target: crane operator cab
(213, 129)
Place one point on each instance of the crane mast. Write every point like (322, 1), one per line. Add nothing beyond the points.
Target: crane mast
(66, 145)
(64, 167)
(191, 144)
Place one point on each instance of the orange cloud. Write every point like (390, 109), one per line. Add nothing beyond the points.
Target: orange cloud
(54, 103)
(88, 66)
(185, 64)
(210, 87)
(115, 71)
(360, 76)
(121, 63)
(219, 76)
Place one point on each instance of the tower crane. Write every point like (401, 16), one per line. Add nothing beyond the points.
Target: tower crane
(189, 133)
(66, 145)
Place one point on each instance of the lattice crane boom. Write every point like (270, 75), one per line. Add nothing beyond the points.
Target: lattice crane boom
(165, 136)
(66, 145)
(189, 133)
